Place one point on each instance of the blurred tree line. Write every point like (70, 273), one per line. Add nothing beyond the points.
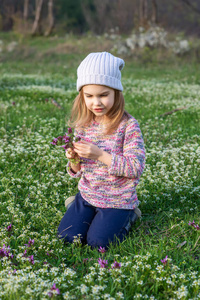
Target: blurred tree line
(42, 17)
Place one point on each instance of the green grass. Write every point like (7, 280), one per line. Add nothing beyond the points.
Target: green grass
(34, 182)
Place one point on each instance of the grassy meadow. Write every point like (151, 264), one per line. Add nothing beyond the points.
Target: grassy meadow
(160, 258)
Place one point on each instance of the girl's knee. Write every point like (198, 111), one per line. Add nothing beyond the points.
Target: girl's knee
(64, 235)
(96, 242)
(104, 241)
(70, 235)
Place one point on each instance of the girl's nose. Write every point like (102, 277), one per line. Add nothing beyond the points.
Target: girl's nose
(97, 100)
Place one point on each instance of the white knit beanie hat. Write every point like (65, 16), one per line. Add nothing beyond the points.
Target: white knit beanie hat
(100, 68)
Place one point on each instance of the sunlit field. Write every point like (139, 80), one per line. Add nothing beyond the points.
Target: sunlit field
(160, 258)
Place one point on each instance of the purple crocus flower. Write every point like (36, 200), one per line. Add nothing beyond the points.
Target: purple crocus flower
(55, 141)
(66, 139)
(30, 243)
(116, 265)
(76, 138)
(65, 147)
(5, 251)
(164, 260)
(103, 263)
(31, 259)
(102, 250)
(53, 288)
(192, 223)
(69, 130)
(9, 228)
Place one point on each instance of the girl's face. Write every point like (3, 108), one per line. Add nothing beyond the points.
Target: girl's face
(99, 99)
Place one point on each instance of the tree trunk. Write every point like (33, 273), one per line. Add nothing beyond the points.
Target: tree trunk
(26, 3)
(143, 12)
(145, 8)
(50, 18)
(154, 12)
(38, 9)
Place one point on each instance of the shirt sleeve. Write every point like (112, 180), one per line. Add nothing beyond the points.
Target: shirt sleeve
(68, 167)
(132, 161)
(71, 173)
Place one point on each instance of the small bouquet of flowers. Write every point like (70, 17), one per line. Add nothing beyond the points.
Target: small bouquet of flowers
(66, 141)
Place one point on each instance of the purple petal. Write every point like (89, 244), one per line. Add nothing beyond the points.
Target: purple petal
(53, 287)
(65, 147)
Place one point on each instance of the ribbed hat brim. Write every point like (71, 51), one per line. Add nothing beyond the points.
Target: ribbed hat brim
(101, 80)
(101, 68)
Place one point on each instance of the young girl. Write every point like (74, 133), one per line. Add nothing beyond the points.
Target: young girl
(110, 156)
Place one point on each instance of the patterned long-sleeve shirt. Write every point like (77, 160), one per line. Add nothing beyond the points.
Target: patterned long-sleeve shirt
(114, 186)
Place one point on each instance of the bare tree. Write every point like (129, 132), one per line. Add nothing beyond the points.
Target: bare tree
(25, 14)
(124, 14)
(95, 12)
(7, 10)
(104, 15)
(50, 18)
(143, 8)
(37, 23)
(154, 17)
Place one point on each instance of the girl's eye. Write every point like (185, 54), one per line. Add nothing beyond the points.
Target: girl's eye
(88, 96)
(104, 95)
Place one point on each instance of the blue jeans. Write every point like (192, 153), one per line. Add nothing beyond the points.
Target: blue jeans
(97, 226)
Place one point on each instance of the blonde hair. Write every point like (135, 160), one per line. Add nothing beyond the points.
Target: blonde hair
(81, 116)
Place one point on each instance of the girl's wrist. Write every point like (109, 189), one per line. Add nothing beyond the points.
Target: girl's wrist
(105, 158)
(75, 167)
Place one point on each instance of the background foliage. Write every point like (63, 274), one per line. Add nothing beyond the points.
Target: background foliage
(100, 16)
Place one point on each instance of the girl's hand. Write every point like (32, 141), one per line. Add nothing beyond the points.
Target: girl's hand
(71, 154)
(74, 160)
(87, 150)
